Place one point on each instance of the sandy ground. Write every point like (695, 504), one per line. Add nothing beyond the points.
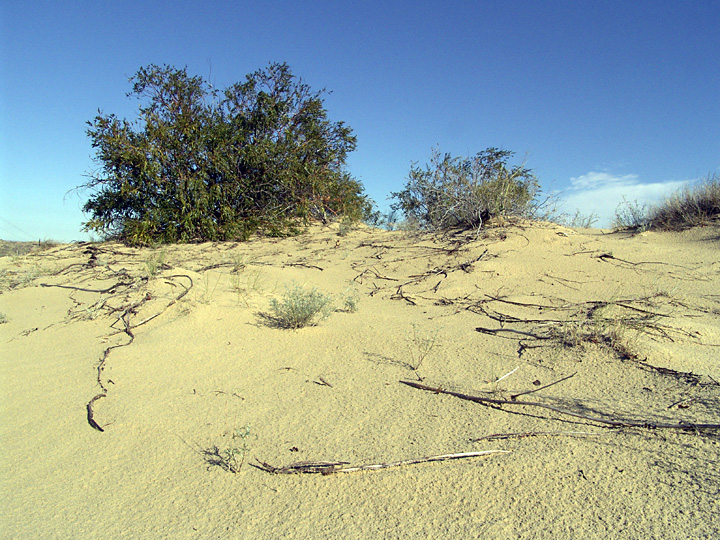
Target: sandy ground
(179, 347)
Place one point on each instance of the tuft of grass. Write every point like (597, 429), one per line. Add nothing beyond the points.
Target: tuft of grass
(689, 207)
(245, 284)
(3, 318)
(300, 307)
(208, 289)
(240, 261)
(423, 346)
(155, 262)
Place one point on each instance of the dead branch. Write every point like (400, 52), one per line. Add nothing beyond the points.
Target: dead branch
(332, 467)
(522, 435)
(496, 331)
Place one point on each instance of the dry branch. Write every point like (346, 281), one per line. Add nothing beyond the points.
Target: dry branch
(332, 467)
(526, 434)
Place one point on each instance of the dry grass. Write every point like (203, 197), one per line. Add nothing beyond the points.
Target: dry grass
(688, 208)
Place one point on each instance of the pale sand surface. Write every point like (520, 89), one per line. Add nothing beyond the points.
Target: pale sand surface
(210, 363)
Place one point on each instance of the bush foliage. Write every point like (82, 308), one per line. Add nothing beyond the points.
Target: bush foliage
(199, 164)
(465, 192)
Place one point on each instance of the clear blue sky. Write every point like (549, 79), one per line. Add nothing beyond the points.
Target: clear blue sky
(604, 99)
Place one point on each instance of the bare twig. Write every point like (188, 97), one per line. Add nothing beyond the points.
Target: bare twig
(506, 375)
(514, 396)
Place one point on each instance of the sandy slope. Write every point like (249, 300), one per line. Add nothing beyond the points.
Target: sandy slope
(550, 301)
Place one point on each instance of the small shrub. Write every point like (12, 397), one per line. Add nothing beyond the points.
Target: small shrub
(465, 192)
(688, 208)
(631, 216)
(300, 307)
(3, 318)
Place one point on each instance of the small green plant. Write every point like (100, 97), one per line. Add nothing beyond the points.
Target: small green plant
(300, 307)
(3, 318)
(423, 344)
(155, 262)
(350, 300)
(234, 456)
(231, 458)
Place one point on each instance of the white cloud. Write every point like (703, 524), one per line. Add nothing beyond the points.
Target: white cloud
(600, 193)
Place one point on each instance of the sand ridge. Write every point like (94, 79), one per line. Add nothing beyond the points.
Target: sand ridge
(192, 357)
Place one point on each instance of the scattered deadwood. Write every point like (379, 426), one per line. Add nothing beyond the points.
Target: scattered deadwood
(332, 467)
(127, 328)
(609, 421)
(527, 434)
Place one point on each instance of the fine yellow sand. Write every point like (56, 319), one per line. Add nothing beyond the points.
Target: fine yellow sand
(635, 318)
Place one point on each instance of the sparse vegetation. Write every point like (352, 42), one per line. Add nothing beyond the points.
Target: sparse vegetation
(465, 192)
(208, 288)
(243, 284)
(350, 300)
(3, 318)
(579, 220)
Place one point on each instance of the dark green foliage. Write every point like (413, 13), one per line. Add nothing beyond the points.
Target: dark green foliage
(203, 165)
(464, 192)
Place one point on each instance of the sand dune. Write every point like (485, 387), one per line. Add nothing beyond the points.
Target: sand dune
(174, 349)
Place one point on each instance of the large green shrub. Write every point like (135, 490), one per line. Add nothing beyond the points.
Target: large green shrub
(464, 192)
(199, 164)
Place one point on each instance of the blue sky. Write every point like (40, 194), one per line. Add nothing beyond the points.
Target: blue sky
(603, 99)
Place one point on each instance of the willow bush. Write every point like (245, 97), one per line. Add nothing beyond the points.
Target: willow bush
(198, 164)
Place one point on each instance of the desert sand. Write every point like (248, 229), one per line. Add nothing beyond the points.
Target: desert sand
(125, 373)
